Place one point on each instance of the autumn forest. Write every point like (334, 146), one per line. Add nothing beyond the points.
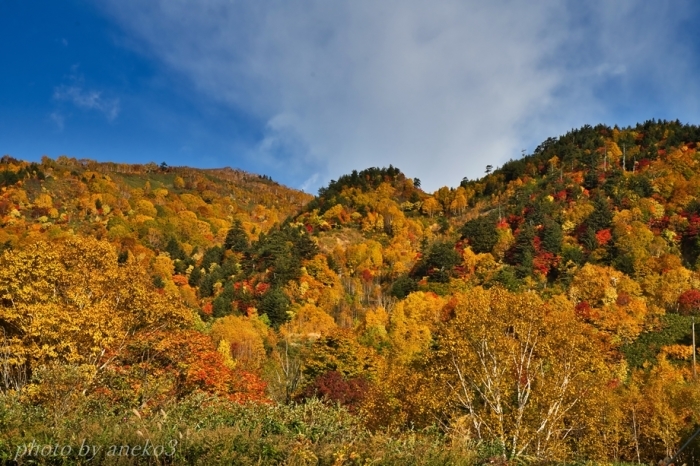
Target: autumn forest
(541, 314)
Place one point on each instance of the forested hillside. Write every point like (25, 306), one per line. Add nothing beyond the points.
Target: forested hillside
(542, 313)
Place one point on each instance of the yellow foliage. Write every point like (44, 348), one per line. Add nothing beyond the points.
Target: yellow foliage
(482, 265)
(188, 215)
(578, 212)
(682, 352)
(43, 201)
(160, 192)
(411, 323)
(366, 255)
(377, 318)
(191, 201)
(224, 349)
(664, 289)
(505, 241)
(164, 267)
(70, 301)
(188, 296)
(596, 285)
(399, 255)
(145, 207)
(634, 239)
(309, 320)
(431, 206)
(245, 336)
(518, 370)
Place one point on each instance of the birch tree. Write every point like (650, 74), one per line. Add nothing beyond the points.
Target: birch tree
(516, 370)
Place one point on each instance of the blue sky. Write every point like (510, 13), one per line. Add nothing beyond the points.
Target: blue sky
(308, 90)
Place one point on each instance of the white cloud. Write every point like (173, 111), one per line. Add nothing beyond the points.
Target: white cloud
(86, 99)
(58, 119)
(439, 89)
(310, 181)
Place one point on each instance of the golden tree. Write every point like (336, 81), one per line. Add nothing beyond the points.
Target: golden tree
(431, 206)
(68, 302)
(517, 369)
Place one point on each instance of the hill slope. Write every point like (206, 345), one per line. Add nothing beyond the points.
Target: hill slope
(543, 311)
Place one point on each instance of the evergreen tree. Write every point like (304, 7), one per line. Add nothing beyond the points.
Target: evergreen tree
(123, 257)
(222, 304)
(481, 233)
(213, 255)
(195, 277)
(552, 236)
(274, 304)
(437, 264)
(403, 286)
(206, 286)
(174, 249)
(601, 217)
(524, 251)
(236, 238)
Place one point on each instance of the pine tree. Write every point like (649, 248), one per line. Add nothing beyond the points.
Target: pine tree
(275, 304)
(481, 233)
(236, 238)
(552, 236)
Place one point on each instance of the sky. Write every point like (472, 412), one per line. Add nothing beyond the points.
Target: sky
(308, 90)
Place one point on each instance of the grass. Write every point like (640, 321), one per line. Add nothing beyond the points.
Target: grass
(210, 431)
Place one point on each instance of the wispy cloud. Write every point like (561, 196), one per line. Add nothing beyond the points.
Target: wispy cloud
(86, 99)
(309, 182)
(59, 119)
(438, 89)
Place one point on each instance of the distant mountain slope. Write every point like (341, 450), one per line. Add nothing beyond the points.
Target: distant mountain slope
(133, 205)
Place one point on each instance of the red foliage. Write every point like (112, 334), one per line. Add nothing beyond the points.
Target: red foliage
(460, 246)
(367, 276)
(658, 225)
(261, 288)
(613, 384)
(583, 310)
(689, 303)
(208, 308)
(561, 195)
(332, 387)
(515, 221)
(189, 359)
(693, 226)
(544, 261)
(244, 287)
(623, 299)
(448, 311)
(603, 237)
(180, 280)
